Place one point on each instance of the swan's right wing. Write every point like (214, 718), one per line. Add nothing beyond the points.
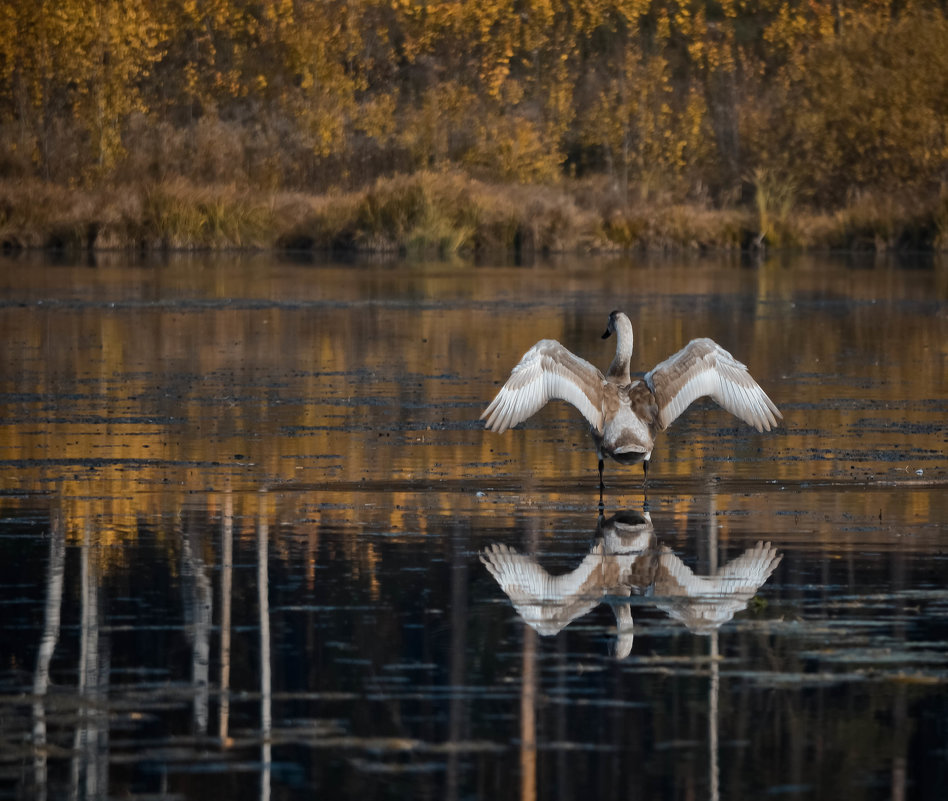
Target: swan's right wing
(749, 571)
(741, 577)
(546, 372)
(703, 368)
(703, 603)
(693, 600)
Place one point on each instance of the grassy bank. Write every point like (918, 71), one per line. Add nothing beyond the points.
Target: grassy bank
(449, 213)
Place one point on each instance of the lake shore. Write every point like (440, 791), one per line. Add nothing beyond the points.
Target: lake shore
(447, 214)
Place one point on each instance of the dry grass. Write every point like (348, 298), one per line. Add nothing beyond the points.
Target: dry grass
(443, 214)
(448, 213)
(37, 214)
(881, 221)
(679, 227)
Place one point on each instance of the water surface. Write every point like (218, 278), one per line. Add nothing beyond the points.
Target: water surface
(246, 505)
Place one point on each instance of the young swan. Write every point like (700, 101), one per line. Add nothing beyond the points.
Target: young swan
(625, 416)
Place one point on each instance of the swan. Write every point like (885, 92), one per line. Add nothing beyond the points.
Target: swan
(627, 559)
(624, 416)
(607, 574)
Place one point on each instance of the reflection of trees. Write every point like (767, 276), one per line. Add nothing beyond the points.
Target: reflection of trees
(298, 548)
(457, 709)
(627, 559)
(89, 760)
(89, 764)
(199, 388)
(227, 577)
(198, 609)
(266, 680)
(89, 771)
(51, 621)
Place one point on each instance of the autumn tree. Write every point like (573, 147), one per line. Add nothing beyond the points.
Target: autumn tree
(680, 98)
(76, 65)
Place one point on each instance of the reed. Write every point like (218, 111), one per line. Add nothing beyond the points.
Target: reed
(678, 227)
(444, 214)
(774, 198)
(175, 215)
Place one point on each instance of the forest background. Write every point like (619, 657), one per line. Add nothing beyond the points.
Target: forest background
(541, 125)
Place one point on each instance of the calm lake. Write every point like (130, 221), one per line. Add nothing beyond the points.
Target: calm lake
(256, 543)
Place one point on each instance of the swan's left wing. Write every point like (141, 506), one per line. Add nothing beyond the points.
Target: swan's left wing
(703, 368)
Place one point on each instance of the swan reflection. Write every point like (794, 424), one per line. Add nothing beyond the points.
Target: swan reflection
(628, 559)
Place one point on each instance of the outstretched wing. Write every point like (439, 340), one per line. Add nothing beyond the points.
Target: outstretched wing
(703, 603)
(547, 371)
(750, 570)
(547, 603)
(703, 368)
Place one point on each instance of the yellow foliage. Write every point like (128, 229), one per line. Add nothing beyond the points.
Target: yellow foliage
(868, 106)
(680, 97)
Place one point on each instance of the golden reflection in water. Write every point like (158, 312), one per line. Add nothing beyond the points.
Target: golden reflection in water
(364, 417)
(144, 395)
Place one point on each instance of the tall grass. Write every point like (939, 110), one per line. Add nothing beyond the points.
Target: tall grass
(443, 214)
(176, 215)
(449, 213)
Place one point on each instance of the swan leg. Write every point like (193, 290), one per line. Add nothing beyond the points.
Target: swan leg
(601, 485)
(645, 485)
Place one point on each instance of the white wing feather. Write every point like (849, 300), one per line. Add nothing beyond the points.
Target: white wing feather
(704, 369)
(547, 603)
(546, 372)
(703, 603)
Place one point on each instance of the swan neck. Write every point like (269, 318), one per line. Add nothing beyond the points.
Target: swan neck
(619, 369)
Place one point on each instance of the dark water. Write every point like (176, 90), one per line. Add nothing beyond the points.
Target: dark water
(246, 509)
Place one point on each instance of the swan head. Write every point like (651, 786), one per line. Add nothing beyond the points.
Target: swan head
(611, 325)
(619, 323)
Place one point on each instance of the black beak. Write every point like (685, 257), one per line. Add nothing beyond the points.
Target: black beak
(606, 335)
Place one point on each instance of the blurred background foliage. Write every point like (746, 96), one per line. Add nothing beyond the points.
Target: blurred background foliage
(819, 101)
